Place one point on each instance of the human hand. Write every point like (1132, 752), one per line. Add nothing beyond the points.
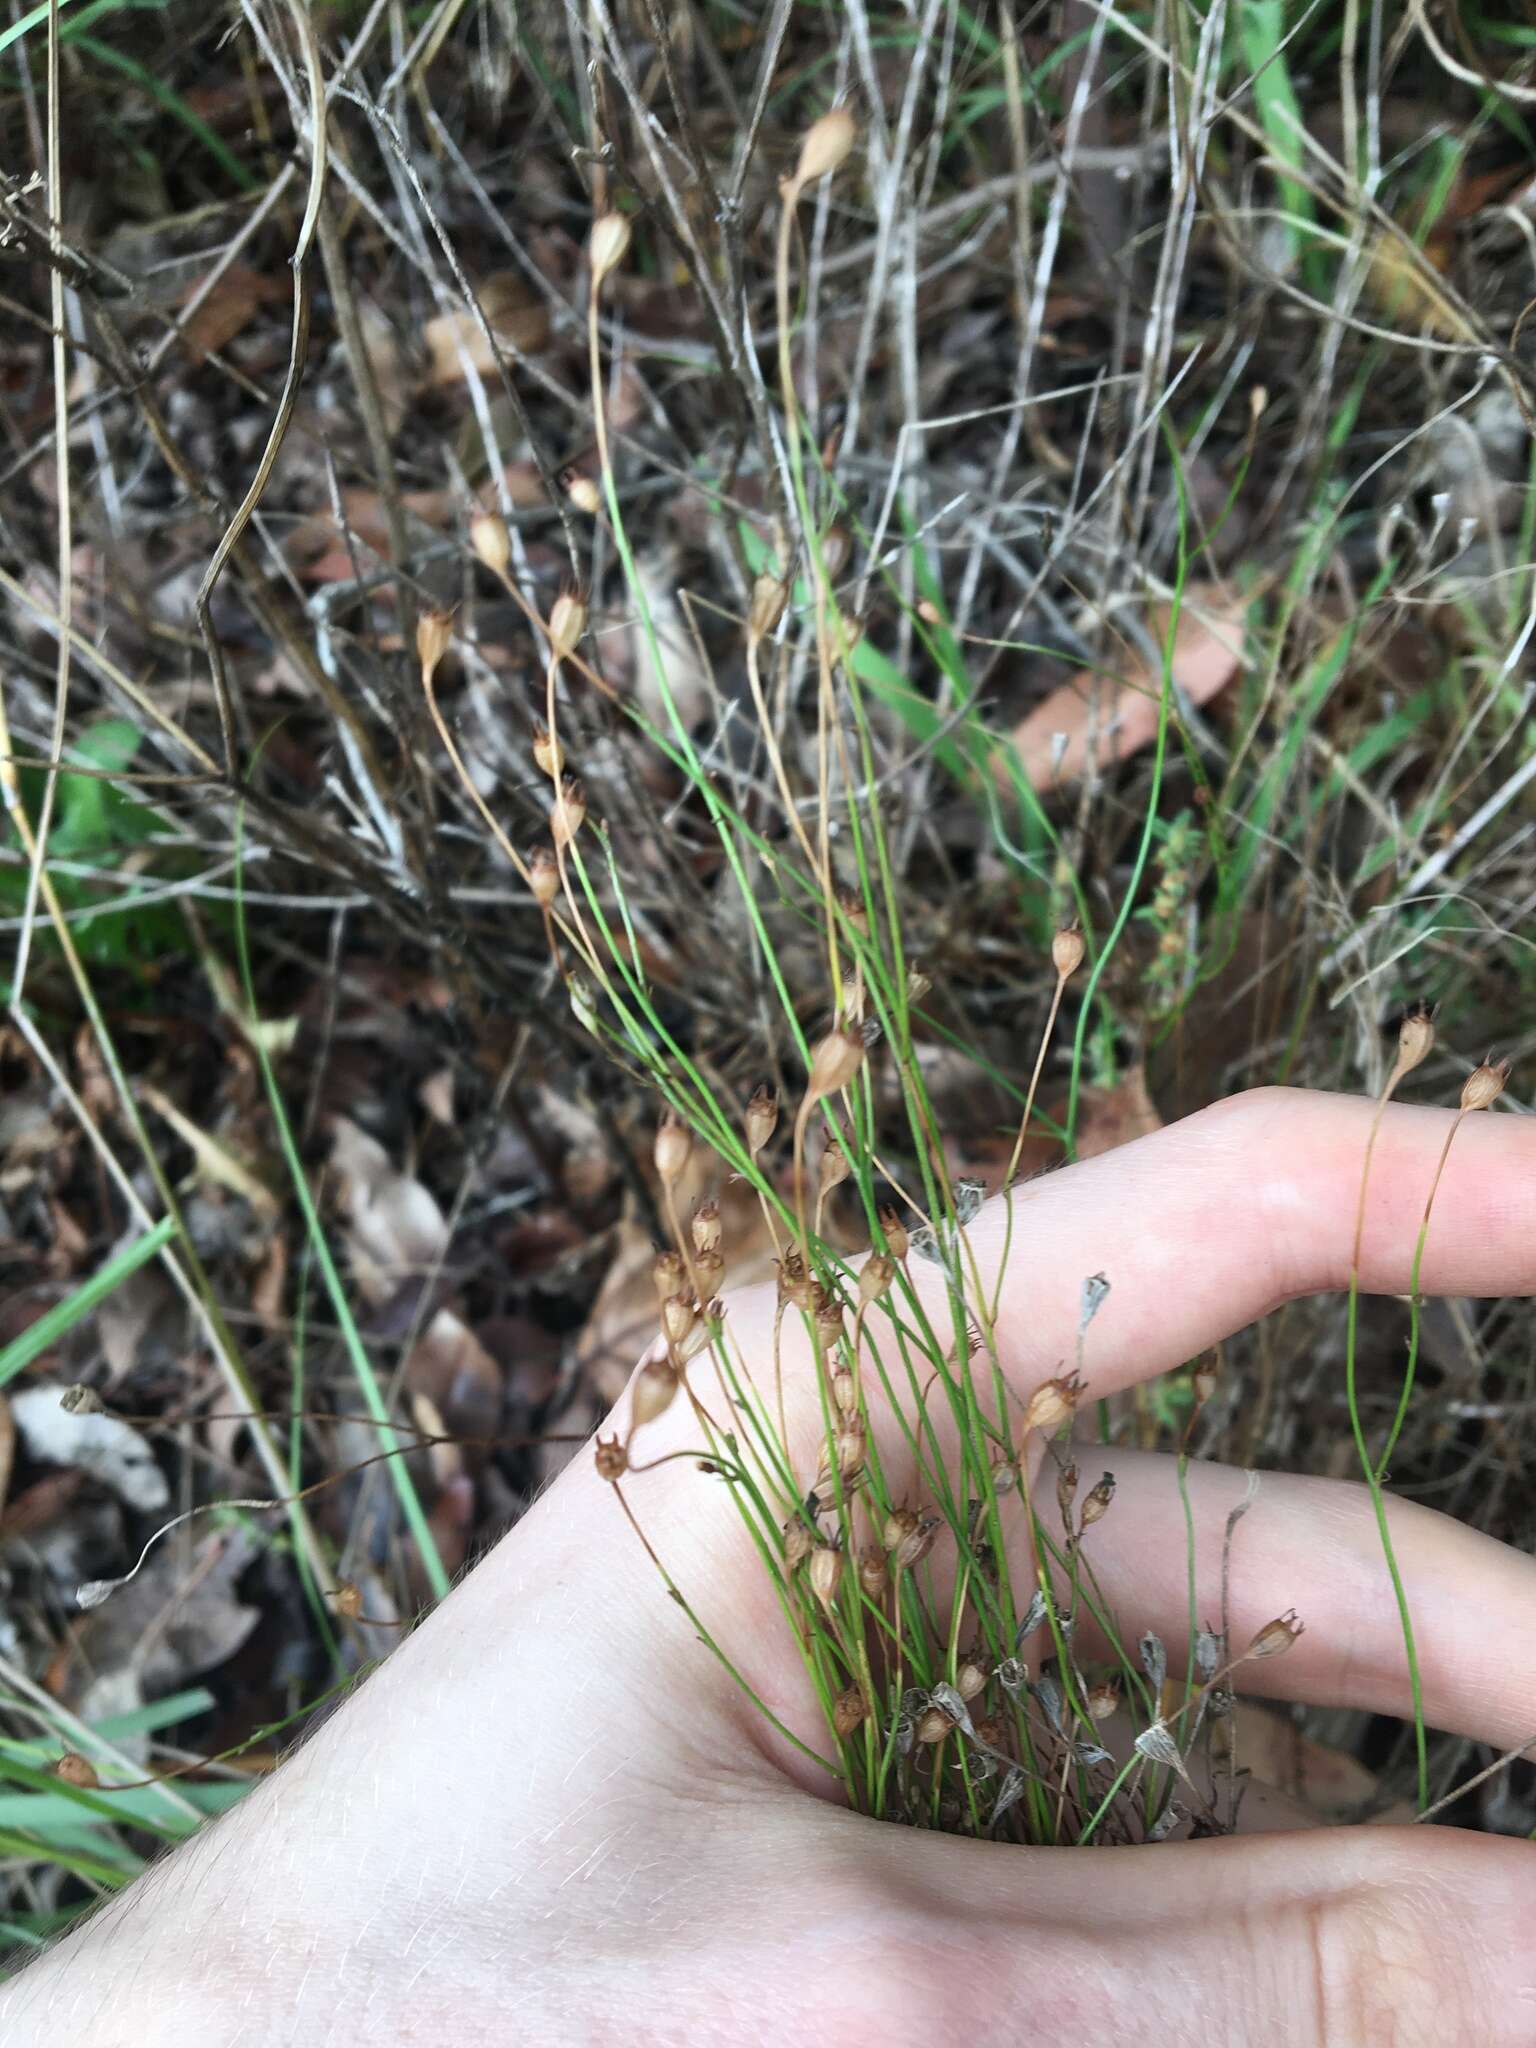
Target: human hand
(551, 1817)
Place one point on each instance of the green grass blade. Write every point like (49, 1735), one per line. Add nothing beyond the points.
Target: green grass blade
(59, 1321)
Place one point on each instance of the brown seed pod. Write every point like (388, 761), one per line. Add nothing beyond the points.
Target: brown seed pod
(674, 1146)
(762, 1117)
(1102, 1700)
(796, 1287)
(656, 1386)
(874, 1578)
(1067, 951)
(434, 636)
(1096, 1502)
(897, 1243)
(826, 146)
(799, 1542)
(875, 1277)
(679, 1313)
(568, 812)
(669, 1275)
(769, 598)
(567, 623)
(826, 1574)
(607, 245)
(708, 1272)
(933, 1724)
(971, 1677)
(706, 1227)
(74, 1769)
(1415, 1042)
(1053, 1403)
(584, 494)
(911, 1550)
(490, 540)
(548, 754)
(347, 1598)
(849, 1711)
(543, 875)
(900, 1523)
(834, 1166)
(1484, 1085)
(1276, 1636)
(834, 1063)
(611, 1458)
(845, 1392)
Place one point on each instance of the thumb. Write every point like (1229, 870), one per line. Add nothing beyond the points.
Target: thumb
(1419, 1937)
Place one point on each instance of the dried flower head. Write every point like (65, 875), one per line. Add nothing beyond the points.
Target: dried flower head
(490, 540)
(762, 1117)
(933, 1724)
(1485, 1084)
(674, 1146)
(833, 1170)
(796, 1287)
(1066, 1490)
(701, 1332)
(608, 245)
(826, 146)
(611, 1459)
(799, 1542)
(347, 1598)
(1053, 1403)
(1067, 951)
(74, 1769)
(1102, 1700)
(850, 1444)
(1276, 1636)
(81, 1400)
(708, 1273)
(434, 636)
(900, 1523)
(656, 1386)
(1206, 1378)
(845, 1391)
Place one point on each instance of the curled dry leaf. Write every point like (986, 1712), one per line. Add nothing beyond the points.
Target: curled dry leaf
(394, 1226)
(102, 1445)
(1099, 718)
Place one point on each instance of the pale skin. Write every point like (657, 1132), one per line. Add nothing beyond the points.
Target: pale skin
(551, 1817)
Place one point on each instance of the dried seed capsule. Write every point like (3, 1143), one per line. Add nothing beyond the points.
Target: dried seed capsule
(548, 753)
(1066, 1490)
(849, 1711)
(799, 1542)
(1067, 951)
(875, 1278)
(769, 597)
(1485, 1084)
(762, 1117)
(1206, 1380)
(584, 494)
(826, 146)
(834, 1063)
(706, 1227)
(74, 1769)
(568, 812)
(851, 904)
(834, 1166)
(851, 1443)
(897, 1242)
(1096, 1503)
(668, 1274)
(873, 1575)
(933, 1724)
(829, 1324)
(490, 540)
(608, 244)
(1102, 1700)
(543, 875)
(845, 1393)
(611, 1458)
(679, 1313)
(826, 1574)
(701, 1333)
(796, 1287)
(656, 1385)
(567, 623)
(674, 1145)
(971, 1678)
(708, 1273)
(1276, 1636)
(1053, 1403)
(1415, 1042)
(434, 636)
(913, 1548)
(900, 1523)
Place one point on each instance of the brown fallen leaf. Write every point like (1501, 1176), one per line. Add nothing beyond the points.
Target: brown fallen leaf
(230, 308)
(1110, 1117)
(1096, 719)
(515, 314)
